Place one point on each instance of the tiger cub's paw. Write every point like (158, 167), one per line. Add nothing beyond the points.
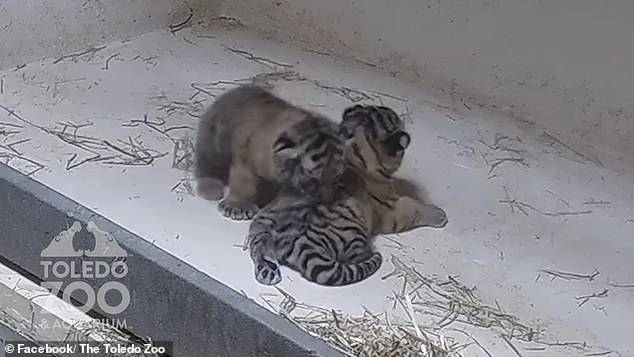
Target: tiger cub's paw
(267, 273)
(237, 211)
(433, 216)
(209, 188)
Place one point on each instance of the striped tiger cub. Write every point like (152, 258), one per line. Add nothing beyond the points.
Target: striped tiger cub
(376, 145)
(330, 243)
(250, 136)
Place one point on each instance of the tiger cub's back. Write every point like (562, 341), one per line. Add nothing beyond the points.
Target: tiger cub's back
(327, 243)
(250, 136)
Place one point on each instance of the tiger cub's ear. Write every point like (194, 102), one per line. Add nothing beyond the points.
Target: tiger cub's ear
(350, 110)
(285, 148)
(352, 118)
(398, 141)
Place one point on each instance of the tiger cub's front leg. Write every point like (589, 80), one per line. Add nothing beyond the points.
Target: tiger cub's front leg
(263, 254)
(408, 214)
(240, 204)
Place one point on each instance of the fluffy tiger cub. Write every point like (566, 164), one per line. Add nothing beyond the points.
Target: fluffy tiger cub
(329, 243)
(377, 142)
(250, 136)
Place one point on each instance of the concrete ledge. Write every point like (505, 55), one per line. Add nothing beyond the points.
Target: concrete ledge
(170, 300)
(29, 312)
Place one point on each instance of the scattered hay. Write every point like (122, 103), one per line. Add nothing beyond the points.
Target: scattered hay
(257, 59)
(95, 331)
(351, 94)
(25, 165)
(190, 107)
(184, 186)
(582, 300)
(265, 79)
(183, 154)
(452, 309)
(87, 331)
(268, 79)
(368, 335)
(561, 147)
(130, 152)
(524, 208)
(90, 53)
(450, 301)
(554, 274)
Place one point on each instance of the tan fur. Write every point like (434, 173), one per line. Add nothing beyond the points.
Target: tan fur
(235, 148)
(254, 158)
(369, 179)
(330, 243)
(385, 210)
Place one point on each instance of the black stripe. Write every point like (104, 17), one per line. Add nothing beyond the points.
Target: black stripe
(316, 240)
(351, 110)
(256, 238)
(383, 171)
(351, 274)
(356, 255)
(348, 244)
(372, 124)
(383, 121)
(370, 141)
(379, 201)
(390, 119)
(316, 143)
(308, 258)
(324, 241)
(351, 213)
(285, 227)
(335, 276)
(317, 270)
(357, 153)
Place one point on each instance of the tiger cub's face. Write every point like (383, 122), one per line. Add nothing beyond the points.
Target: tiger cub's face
(375, 139)
(311, 155)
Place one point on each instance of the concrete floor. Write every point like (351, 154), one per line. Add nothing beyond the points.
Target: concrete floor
(519, 201)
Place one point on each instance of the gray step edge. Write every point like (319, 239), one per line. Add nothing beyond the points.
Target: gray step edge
(170, 300)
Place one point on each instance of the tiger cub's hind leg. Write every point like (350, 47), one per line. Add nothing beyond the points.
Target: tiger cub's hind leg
(431, 216)
(209, 188)
(208, 175)
(240, 202)
(408, 214)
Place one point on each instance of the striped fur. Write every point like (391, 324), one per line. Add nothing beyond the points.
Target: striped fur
(315, 158)
(376, 144)
(327, 243)
(330, 243)
(377, 139)
(249, 137)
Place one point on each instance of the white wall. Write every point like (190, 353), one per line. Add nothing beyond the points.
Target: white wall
(33, 29)
(565, 65)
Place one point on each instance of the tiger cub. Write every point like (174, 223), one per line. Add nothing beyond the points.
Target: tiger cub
(249, 137)
(377, 142)
(330, 243)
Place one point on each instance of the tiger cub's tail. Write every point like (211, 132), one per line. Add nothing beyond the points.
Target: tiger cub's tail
(335, 273)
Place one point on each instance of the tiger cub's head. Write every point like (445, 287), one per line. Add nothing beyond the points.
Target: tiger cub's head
(375, 139)
(311, 156)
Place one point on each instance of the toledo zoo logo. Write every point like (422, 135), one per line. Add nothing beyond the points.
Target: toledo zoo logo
(106, 261)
